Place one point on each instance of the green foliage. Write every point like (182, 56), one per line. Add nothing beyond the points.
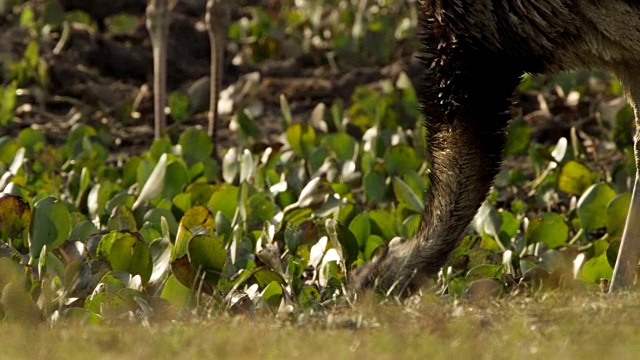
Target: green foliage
(86, 233)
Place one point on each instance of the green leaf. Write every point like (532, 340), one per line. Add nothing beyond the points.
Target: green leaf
(617, 211)
(188, 275)
(208, 253)
(198, 216)
(122, 219)
(83, 230)
(308, 296)
(225, 200)
(180, 296)
(17, 305)
(574, 178)
(549, 229)
(360, 226)
(383, 224)
(8, 101)
(196, 145)
(410, 225)
(246, 124)
(519, 137)
(483, 271)
(592, 206)
(260, 208)
(159, 218)
(264, 277)
(302, 139)
(373, 243)
(375, 186)
(272, 294)
(342, 145)
(406, 196)
(401, 159)
(179, 105)
(176, 179)
(126, 252)
(50, 226)
(597, 268)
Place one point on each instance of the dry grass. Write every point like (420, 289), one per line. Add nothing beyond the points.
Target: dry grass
(559, 326)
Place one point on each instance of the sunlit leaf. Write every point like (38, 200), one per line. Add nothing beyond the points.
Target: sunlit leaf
(50, 226)
(592, 206)
(549, 229)
(574, 178)
(597, 268)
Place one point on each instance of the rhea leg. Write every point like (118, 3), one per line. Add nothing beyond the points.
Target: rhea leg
(158, 26)
(624, 274)
(216, 19)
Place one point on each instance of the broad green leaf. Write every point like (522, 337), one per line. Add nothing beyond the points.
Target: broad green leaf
(207, 252)
(308, 296)
(264, 277)
(260, 208)
(372, 244)
(617, 210)
(50, 226)
(198, 216)
(302, 139)
(155, 216)
(83, 231)
(122, 219)
(574, 178)
(188, 275)
(483, 271)
(410, 225)
(401, 159)
(196, 145)
(126, 252)
(272, 294)
(107, 305)
(17, 305)
(160, 147)
(597, 268)
(406, 196)
(225, 200)
(519, 137)
(246, 124)
(176, 179)
(180, 296)
(342, 145)
(149, 232)
(179, 105)
(549, 229)
(374, 186)
(360, 226)
(592, 206)
(383, 224)
(8, 148)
